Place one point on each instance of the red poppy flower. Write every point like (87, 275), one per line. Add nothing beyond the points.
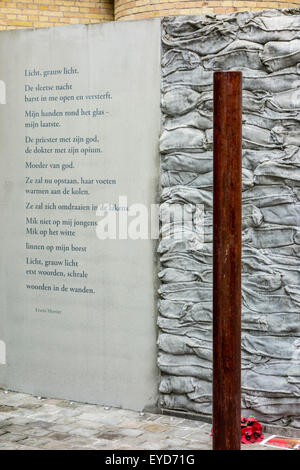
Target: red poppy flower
(251, 430)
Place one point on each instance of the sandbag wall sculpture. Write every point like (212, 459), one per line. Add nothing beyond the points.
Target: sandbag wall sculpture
(265, 46)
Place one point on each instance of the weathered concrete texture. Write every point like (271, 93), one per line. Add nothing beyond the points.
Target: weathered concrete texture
(268, 428)
(27, 423)
(265, 46)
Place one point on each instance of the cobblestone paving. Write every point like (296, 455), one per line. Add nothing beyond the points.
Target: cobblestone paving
(30, 423)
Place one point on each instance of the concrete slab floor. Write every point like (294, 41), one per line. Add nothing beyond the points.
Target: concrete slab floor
(30, 423)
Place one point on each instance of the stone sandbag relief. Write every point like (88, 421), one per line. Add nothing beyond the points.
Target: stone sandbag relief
(265, 46)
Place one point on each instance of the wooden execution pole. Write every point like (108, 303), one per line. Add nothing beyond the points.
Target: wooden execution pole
(227, 261)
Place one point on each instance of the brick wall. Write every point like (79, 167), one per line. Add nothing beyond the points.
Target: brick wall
(129, 10)
(39, 13)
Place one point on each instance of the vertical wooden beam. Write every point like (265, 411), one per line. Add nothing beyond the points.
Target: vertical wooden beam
(227, 261)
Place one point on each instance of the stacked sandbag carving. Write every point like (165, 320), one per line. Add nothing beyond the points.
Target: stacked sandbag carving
(265, 46)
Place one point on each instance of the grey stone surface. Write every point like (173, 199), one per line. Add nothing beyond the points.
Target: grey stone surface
(101, 348)
(266, 48)
(150, 431)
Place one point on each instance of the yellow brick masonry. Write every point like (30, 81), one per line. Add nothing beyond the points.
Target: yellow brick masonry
(41, 13)
(129, 10)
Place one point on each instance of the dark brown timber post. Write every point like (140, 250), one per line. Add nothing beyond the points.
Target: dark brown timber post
(227, 261)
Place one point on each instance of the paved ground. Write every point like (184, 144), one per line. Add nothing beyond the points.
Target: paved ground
(28, 423)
